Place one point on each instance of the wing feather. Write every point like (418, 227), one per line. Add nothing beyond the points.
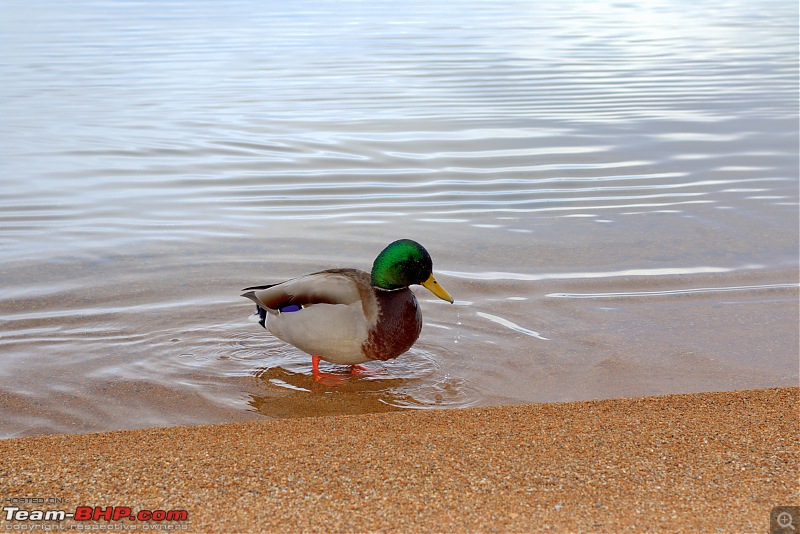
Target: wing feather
(338, 286)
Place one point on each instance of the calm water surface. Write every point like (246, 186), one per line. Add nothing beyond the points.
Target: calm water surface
(609, 190)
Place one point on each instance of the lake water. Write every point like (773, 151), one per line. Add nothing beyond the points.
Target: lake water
(609, 190)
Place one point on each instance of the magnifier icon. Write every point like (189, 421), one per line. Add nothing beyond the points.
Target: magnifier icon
(784, 520)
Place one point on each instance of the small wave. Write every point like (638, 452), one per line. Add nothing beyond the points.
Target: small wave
(671, 292)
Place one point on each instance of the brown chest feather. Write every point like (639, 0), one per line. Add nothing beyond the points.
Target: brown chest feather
(398, 326)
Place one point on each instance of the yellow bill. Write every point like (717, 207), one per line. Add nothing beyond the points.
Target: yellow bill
(433, 286)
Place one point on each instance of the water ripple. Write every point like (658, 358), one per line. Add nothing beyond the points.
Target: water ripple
(672, 292)
(669, 271)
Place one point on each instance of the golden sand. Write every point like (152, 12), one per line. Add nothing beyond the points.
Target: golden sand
(703, 462)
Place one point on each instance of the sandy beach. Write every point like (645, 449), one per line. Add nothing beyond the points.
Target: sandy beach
(701, 462)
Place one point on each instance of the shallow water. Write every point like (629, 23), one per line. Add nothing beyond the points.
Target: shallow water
(609, 191)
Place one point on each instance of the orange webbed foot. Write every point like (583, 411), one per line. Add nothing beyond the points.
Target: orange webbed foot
(328, 379)
(360, 370)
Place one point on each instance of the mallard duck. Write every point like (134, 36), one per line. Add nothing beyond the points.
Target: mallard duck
(348, 316)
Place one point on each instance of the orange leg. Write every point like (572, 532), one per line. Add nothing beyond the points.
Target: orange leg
(333, 379)
(360, 370)
(329, 379)
(356, 370)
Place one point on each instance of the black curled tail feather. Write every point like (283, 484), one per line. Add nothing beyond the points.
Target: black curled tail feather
(262, 312)
(262, 316)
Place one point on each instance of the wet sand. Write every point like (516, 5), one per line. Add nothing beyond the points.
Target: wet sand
(701, 462)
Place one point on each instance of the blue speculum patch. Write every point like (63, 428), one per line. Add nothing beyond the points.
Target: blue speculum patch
(290, 308)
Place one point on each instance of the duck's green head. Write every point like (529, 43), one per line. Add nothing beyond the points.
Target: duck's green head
(403, 263)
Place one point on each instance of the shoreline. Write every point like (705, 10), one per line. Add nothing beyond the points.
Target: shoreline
(695, 462)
